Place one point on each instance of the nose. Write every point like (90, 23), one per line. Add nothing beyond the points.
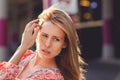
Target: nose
(48, 42)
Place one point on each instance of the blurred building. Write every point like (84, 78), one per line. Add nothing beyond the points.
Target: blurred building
(96, 21)
(17, 14)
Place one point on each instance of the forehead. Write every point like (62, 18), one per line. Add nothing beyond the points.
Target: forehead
(52, 29)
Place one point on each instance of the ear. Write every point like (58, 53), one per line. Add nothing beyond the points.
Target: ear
(64, 45)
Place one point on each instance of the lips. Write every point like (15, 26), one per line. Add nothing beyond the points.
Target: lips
(45, 51)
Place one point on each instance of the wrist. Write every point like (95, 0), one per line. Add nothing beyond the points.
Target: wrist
(22, 49)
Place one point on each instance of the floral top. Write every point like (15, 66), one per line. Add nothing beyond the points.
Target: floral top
(9, 71)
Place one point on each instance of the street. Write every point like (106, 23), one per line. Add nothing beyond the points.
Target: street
(101, 70)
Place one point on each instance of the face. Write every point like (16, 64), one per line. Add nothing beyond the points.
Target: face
(50, 40)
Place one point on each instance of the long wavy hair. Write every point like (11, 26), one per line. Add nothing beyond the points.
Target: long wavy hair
(69, 61)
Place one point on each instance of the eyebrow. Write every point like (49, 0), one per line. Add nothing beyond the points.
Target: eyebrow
(53, 36)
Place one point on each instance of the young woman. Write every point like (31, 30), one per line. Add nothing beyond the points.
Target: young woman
(57, 55)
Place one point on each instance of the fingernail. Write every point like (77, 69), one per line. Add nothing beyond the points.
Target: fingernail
(39, 26)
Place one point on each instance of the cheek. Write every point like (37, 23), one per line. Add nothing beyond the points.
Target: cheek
(40, 39)
(57, 49)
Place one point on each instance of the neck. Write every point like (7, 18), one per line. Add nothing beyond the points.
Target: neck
(44, 62)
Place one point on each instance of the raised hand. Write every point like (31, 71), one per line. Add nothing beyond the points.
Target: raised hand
(30, 33)
(28, 39)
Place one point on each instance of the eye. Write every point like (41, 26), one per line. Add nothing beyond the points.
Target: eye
(45, 35)
(56, 39)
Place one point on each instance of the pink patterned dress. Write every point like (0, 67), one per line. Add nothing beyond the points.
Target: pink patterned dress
(9, 71)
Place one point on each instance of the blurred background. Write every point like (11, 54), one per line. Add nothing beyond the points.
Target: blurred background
(96, 21)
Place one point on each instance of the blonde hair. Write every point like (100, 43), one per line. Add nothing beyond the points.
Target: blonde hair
(69, 61)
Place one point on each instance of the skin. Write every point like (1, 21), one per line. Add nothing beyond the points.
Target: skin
(28, 39)
(50, 41)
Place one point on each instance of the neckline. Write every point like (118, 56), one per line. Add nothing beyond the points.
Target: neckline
(41, 65)
(37, 70)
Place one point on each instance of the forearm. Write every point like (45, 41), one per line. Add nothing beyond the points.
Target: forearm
(15, 59)
(28, 39)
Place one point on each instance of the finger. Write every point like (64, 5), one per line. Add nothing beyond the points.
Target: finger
(31, 23)
(39, 26)
(36, 30)
(34, 21)
(33, 26)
